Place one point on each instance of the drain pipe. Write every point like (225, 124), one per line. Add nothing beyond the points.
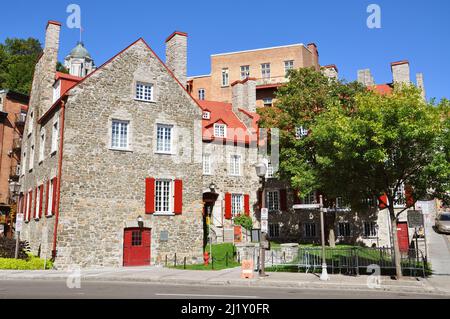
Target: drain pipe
(58, 180)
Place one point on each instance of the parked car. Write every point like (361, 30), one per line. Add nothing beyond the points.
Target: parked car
(443, 223)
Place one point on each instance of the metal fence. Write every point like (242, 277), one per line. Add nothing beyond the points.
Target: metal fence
(349, 261)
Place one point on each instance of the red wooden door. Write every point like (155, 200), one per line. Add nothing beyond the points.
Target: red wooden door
(136, 247)
(403, 236)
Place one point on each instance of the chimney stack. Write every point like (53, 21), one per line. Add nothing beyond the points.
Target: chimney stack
(244, 97)
(176, 55)
(312, 47)
(420, 84)
(365, 77)
(400, 72)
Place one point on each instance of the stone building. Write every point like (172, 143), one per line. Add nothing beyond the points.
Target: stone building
(13, 111)
(109, 177)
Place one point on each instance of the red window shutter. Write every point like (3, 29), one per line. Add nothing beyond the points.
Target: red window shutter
(178, 200)
(283, 200)
(382, 201)
(47, 197)
(55, 191)
(227, 206)
(41, 195)
(408, 196)
(247, 204)
(149, 195)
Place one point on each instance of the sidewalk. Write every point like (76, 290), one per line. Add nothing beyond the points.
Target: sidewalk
(231, 277)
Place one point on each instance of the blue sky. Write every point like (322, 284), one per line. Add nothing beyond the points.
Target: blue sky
(414, 30)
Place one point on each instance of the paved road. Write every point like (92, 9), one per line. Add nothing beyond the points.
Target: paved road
(129, 290)
(438, 249)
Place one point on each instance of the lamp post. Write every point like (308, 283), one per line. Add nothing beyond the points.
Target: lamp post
(261, 170)
(140, 222)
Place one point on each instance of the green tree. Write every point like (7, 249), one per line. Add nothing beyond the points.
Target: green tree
(17, 60)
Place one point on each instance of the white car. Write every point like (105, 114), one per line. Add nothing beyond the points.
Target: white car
(443, 223)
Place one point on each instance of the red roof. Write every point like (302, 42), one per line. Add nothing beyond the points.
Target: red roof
(223, 113)
(60, 75)
(382, 89)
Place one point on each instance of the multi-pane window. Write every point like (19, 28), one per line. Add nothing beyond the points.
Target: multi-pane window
(343, 229)
(201, 94)
(164, 138)
(162, 196)
(288, 65)
(206, 164)
(265, 70)
(309, 230)
(268, 102)
(119, 134)
(144, 91)
(300, 131)
(136, 238)
(399, 197)
(206, 115)
(273, 200)
(50, 197)
(245, 71)
(371, 202)
(369, 229)
(235, 165)
(274, 230)
(38, 202)
(237, 204)
(225, 77)
(56, 91)
(41, 146)
(220, 130)
(270, 170)
(22, 166)
(30, 123)
(309, 199)
(31, 164)
(55, 136)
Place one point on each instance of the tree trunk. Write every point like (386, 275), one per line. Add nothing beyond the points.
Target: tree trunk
(332, 238)
(397, 256)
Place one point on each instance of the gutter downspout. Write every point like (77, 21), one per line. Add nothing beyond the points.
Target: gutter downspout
(58, 185)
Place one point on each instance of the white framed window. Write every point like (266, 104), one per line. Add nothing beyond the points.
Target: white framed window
(120, 134)
(206, 115)
(201, 94)
(23, 163)
(309, 230)
(31, 163)
(370, 229)
(164, 138)
(225, 77)
(50, 197)
(56, 91)
(399, 196)
(237, 204)
(235, 165)
(55, 137)
(270, 170)
(206, 164)
(30, 123)
(38, 202)
(309, 199)
(274, 230)
(144, 92)
(41, 146)
(343, 229)
(245, 71)
(265, 70)
(220, 130)
(273, 200)
(163, 196)
(268, 102)
(300, 131)
(288, 65)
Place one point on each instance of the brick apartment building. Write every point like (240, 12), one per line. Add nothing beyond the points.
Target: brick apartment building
(13, 110)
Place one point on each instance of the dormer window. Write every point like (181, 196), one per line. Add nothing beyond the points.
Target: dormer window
(56, 91)
(144, 92)
(220, 130)
(206, 115)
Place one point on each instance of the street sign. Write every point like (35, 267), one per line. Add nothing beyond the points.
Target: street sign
(256, 235)
(19, 222)
(415, 218)
(264, 213)
(264, 226)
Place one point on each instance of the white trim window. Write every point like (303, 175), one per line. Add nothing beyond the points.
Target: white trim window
(245, 71)
(50, 197)
(206, 115)
(237, 204)
(225, 77)
(23, 163)
(163, 196)
(399, 197)
(55, 137)
(370, 229)
(309, 199)
(274, 230)
(164, 138)
(220, 130)
(288, 65)
(343, 229)
(30, 123)
(38, 203)
(144, 92)
(41, 146)
(273, 200)
(31, 163)
(268, 102)
(270, 170)
(300, 132)
(235, 165)
(206, 164)
(265, 70)
(201, 94)
(56, 91)
(119, 134)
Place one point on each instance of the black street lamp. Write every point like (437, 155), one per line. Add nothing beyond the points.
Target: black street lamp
(261, 170)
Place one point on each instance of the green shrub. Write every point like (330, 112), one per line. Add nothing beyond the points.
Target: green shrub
(31, 263)
(244, 221)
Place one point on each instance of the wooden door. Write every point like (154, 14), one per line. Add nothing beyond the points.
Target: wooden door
(136, 247)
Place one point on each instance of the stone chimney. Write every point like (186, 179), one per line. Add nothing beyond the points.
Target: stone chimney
(365, 77)
(331, 71)
(420, 84)
(44, 75)
(312, 47)
(244, 97)
(400, 72)
(176, 55)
